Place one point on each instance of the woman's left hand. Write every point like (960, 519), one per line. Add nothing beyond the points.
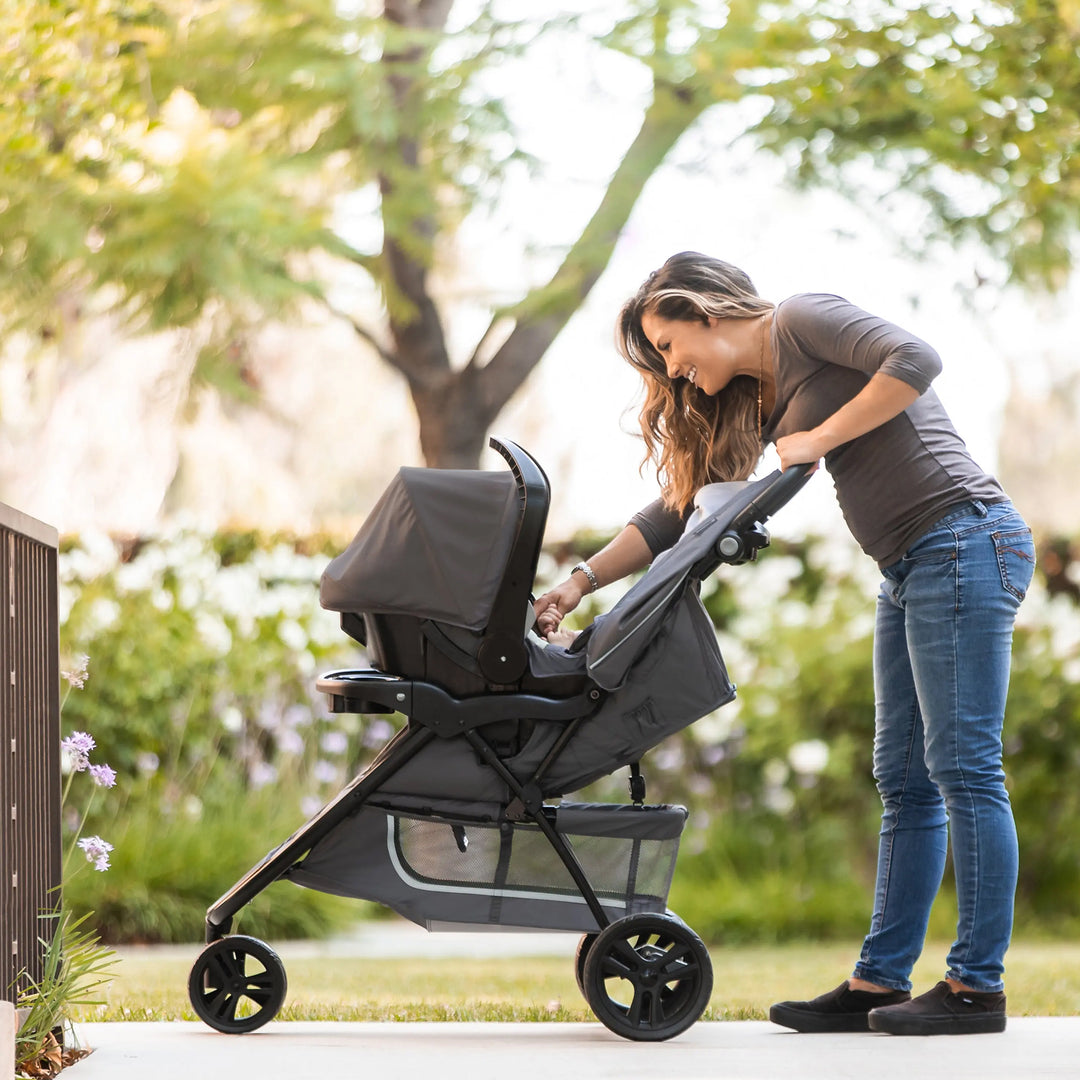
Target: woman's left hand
(801, 448)
(879, 401)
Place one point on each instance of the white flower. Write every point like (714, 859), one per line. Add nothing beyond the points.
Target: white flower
(147, 762)
(775, 772)
(232, 720)
(810, 757)
(296, 716)
(214, 632)
(79, 672)
(102, 615)
(163, 600)
(324, 772)
(292, 634)
(377, 732)
(778, 799)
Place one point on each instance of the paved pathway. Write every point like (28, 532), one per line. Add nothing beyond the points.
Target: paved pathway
(1031, 1049)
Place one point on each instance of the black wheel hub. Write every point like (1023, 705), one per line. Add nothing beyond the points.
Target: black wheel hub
(237, 984)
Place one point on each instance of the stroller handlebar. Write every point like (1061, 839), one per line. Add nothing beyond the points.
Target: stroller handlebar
(779, 489)
(746, 535)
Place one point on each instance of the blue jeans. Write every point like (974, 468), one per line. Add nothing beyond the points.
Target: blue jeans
(942, 649)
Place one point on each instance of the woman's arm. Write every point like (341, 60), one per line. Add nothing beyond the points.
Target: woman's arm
(883, 398)
(625, 554)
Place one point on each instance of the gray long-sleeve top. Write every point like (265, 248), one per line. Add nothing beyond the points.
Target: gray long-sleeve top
(892, 483)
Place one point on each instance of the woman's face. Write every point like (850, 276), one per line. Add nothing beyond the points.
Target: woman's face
(708, 354)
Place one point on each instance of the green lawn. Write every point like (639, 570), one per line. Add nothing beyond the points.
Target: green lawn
(1043, 980)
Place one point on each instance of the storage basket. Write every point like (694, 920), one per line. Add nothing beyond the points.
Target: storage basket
(439, 870)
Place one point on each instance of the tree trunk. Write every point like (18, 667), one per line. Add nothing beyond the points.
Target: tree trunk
(457, 408)
(454, 421)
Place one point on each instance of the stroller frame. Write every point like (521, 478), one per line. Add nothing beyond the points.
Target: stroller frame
(669, 974)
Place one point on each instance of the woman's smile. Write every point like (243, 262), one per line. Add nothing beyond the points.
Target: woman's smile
(707, 353)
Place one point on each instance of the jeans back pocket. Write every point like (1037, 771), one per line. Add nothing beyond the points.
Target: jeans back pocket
(1016, 559)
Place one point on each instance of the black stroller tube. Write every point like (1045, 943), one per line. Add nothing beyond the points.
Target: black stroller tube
(537, 816)
(277, 862)
(780, 488)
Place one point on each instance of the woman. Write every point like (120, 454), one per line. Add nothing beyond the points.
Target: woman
(726, 372)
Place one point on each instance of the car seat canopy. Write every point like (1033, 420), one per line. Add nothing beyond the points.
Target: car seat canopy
(435, 546)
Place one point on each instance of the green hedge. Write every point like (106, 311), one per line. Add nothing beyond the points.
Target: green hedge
(203, 653)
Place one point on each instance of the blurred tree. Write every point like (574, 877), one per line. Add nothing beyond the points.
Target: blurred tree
(186, 160)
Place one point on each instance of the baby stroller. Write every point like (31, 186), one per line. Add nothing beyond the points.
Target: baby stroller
(453, 825)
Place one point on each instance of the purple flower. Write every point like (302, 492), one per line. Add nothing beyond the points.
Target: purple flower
(78, 746)
(324, 772)
(334, 742)
(97, 851)
(376, 733)
(104, 775)
(262, 773)
(78, 675)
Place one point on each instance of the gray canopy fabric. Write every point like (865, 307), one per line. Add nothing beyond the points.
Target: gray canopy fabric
(434, 546)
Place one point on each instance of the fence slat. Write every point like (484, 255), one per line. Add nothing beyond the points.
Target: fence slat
(29, 743)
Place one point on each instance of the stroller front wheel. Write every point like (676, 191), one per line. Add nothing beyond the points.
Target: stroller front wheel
(237, 984)
(647, 977)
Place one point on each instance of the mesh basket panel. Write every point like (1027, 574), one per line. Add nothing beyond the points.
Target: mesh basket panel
(616, 867)
(432, 851)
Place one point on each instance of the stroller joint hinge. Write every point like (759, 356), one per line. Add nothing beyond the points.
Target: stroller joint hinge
(637, 784)
(527, 805)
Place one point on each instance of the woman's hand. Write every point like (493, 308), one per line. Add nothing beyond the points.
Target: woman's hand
(801, 448)
(555, 605)
(879, 401)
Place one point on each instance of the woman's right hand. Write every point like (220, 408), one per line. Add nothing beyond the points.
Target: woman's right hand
(556, 604)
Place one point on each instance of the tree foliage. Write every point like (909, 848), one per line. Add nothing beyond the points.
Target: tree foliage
(188, 161)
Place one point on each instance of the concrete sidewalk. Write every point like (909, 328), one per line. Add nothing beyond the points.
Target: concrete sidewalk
(1031, 1049)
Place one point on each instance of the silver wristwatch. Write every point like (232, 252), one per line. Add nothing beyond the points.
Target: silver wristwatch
(587, 570)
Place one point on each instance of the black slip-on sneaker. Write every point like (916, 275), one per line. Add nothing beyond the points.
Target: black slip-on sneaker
(943, 1011)
(842, 1009)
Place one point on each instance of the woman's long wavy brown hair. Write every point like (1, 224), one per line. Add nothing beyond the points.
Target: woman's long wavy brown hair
(693, 437)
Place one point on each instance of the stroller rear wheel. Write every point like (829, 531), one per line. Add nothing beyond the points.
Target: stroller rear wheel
(647, 977)
(237, 984)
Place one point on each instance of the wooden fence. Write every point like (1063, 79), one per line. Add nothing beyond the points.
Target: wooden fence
(29, 744)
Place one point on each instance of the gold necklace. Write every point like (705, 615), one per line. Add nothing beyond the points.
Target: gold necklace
(761, 380)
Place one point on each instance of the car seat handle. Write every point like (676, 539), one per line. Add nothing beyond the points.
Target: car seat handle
(503, 656)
